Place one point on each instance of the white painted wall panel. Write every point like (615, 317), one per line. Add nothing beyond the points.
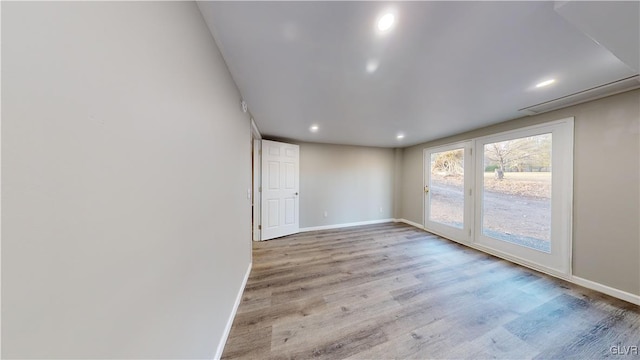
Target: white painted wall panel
(125, 164)
(350, 183)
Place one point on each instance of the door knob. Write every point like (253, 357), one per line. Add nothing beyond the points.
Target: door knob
(426, 189)
(296, 194)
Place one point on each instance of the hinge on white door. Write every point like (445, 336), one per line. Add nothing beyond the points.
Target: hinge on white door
(469, 232)
(259, 188)
(259, 227)
(470, 192)
(260, 152)
(470, 151)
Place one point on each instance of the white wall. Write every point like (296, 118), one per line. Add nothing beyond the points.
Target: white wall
(125, 166)
(606, 209)
(350, 183)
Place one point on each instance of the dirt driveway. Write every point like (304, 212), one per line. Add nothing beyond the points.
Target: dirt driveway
(509, 214)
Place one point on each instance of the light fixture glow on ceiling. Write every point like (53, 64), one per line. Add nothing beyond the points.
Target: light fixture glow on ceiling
(386, 22)
(314, 128)
(400, 136)
(546, 83)
(372, 66)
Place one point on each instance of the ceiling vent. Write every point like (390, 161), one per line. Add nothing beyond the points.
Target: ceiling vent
(580, 97)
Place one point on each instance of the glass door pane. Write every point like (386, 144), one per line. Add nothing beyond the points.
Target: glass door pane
(446, 189)
(516, 204)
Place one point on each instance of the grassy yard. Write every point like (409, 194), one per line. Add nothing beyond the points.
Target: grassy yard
(529, 184)
(541, 177)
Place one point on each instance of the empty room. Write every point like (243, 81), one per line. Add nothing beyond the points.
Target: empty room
(320, 179)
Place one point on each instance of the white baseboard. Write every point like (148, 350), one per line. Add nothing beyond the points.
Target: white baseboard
(632, 298)
(409, 222)
(623, 295)
(338, 226)
(232, 316)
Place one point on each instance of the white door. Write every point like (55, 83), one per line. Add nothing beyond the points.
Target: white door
(448, 179)
(280, 189)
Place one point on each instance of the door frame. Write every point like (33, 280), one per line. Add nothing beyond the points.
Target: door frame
(464, 235)
(256, 198)
(562, 160)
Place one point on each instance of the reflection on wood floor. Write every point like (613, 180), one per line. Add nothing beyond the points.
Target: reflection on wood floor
(394, 291)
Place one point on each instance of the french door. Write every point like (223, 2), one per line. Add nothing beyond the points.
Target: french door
(512, 198)
(447, 187)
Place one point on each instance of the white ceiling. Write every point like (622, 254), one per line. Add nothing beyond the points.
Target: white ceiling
(445, 67)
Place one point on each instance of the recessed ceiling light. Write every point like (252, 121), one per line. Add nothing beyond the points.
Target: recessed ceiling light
(372, 66)
(314, 128)
(386, 22)
(400, 136)
(546, 83)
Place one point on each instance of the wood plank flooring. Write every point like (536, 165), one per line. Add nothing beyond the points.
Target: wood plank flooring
(392, 291)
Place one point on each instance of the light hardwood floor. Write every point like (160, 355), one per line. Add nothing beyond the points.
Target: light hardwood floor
(393, 291)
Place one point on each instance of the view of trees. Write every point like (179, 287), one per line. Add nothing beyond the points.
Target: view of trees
(448, 162)
(524, 154)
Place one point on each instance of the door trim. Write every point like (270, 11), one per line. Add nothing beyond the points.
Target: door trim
(257, 178)
(464, 235)
(562, 161)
